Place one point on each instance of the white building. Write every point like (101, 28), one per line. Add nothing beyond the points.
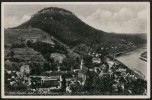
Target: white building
(25, 69)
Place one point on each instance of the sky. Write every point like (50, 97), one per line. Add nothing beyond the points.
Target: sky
(109, 17)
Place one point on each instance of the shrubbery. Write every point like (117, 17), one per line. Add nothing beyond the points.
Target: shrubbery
(46, 48)
(17, 45)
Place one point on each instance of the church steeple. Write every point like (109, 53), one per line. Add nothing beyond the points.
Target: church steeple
(81, 65)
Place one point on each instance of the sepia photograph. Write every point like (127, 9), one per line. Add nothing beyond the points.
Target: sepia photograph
(75, 50)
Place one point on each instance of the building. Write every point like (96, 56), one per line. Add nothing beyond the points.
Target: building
(58, 74)
(25, 69)
(50, 82)
(82, 73)
(32, 39)
(96, 60)
(48, 42)
(110, 63)
(58, 57)
(122, 70)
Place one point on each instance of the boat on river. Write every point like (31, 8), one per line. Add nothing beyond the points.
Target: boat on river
(143, 56)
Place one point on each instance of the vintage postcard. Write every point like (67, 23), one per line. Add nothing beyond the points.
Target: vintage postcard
(75, 50)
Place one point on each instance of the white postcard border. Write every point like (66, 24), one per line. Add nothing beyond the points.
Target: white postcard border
(72, 3)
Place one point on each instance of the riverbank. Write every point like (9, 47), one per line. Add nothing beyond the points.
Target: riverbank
(137, 73)
(130, 50)
(133, 61)
(126, 51)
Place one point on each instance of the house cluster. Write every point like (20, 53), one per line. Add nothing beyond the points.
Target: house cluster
(71, 81)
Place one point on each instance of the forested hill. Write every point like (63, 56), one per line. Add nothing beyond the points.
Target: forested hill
(69, 29)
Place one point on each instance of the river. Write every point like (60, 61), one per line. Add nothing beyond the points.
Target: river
(131, 59)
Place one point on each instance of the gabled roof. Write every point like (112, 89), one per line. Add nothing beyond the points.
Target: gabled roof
(51, 78)
(25, 66)
(56, 73)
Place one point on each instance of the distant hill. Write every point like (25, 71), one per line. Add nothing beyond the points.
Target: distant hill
(69, 29)
(59, 26)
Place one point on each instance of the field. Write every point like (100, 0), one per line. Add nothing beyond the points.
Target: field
(15, 35)
(21, 55)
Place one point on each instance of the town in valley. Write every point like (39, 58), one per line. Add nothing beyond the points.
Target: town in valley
(55, 53)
